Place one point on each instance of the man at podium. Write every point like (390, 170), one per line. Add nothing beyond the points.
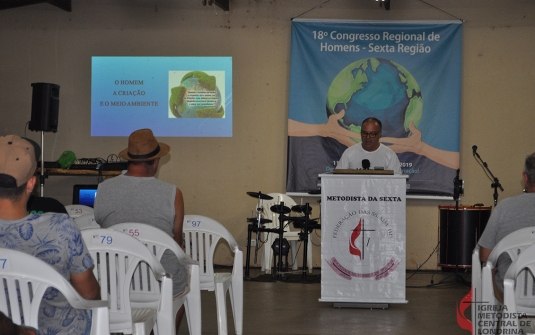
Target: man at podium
(370, 153)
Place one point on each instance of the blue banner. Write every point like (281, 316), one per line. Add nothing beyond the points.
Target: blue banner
(406, 74)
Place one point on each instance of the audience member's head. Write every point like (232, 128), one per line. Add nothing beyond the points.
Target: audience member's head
(529, 171)
(143, 146)
(17, 165)
(143, 153)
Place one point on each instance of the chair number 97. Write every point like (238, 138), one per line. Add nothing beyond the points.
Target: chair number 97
(195, 223)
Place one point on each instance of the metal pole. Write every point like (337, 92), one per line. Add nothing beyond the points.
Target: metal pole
(42, 180)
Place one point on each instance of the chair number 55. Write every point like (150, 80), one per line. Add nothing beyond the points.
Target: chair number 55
(133, 232)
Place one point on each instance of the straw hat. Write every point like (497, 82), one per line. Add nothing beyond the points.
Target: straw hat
(143, 146)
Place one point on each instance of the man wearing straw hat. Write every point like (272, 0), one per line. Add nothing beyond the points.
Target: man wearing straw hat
(138, 196)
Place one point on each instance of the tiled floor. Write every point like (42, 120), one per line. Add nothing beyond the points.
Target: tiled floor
(293, 308)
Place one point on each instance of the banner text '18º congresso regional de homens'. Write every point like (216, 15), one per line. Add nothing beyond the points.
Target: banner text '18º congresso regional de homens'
(407, 74)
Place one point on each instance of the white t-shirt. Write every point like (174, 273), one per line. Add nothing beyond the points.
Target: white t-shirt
(382, 157)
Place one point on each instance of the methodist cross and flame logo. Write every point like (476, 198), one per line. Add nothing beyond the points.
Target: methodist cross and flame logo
(353, 248)
(360, 241)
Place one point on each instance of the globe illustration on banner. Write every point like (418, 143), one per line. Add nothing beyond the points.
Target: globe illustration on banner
(380, 88)
(197, 96)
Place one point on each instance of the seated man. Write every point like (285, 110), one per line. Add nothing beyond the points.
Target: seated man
(137, 196)
(509, 215)
(54, 238)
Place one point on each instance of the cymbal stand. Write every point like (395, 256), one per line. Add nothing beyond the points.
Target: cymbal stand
(259, 216)
(282, 218)
(303, 235)
(250, 228)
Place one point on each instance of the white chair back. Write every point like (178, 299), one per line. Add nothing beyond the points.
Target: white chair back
(25, 278)
(78, 210)
(86, 221)
(158, 242)
(476, 288)
(519, 292)
(117, 256)
(201, 235)
(513, 244)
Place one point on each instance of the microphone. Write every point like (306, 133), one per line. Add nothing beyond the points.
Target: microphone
(365, 164)
(474, 149)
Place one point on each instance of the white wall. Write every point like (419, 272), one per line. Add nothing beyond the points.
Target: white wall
(42, 43)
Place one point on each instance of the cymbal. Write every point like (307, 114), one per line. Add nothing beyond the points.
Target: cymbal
(306, 209)
(280, 209)
(262, 220)
(260, 195)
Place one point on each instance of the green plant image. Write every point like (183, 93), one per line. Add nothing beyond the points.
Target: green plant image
(197, 97)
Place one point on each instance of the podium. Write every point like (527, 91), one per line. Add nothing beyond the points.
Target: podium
(363, 240)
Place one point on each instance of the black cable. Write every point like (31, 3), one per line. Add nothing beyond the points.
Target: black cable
(434, 250)
(311, 9)
(443, 11)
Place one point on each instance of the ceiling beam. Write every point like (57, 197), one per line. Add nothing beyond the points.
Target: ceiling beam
(62, 4)
(223, 4)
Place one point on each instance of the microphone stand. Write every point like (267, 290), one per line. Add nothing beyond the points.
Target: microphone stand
(458, 190)
(495, 182)
(42, 176)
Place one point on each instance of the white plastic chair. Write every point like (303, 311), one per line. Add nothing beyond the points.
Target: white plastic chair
(25, 278)
(78, 210)
(513, 244)
(201, 235)
(117, 256)
(158, 242)
(476, 288)
(86, 221)
(290, 235)
(519, 295)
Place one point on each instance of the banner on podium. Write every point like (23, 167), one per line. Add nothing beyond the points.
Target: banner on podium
(363, 238)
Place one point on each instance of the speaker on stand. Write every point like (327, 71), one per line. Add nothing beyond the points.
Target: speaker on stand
(45, 108)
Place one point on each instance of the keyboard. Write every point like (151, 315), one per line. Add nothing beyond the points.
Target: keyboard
(95, 166)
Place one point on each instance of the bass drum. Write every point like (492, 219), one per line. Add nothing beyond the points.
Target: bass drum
(460, 229)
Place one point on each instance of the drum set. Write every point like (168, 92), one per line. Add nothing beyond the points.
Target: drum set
(258, 223)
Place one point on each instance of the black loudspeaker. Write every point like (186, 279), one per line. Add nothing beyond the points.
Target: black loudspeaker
(45, 107)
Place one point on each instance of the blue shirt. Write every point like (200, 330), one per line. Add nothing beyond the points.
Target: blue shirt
(55, 239)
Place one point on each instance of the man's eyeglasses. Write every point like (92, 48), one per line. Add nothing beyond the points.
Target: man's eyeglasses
(370, 135)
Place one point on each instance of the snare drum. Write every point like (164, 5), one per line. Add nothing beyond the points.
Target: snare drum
(459, 232)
